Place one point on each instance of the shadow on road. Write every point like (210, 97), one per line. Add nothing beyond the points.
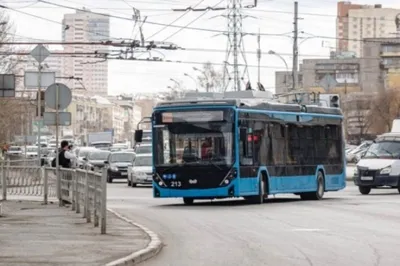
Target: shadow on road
(239, 203)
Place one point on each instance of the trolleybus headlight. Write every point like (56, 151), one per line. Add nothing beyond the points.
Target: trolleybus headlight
(158, 180)
(386, 170)
(229, 177)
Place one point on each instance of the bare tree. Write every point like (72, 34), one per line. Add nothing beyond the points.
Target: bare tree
(12, 109)
(211, 79)
(385, 109)
(360, 115)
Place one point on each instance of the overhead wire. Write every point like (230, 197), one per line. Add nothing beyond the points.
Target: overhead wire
(191, 22)
(171, 23)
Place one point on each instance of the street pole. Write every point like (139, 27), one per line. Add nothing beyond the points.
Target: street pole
(39, 109)
(60, 202)
(295, 47)
(259, 55)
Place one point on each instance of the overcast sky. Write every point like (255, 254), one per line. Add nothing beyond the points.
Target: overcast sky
(270, 17)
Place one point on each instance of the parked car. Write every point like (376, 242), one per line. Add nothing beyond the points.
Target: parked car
(141, 171)
(95, 159)
(117, 165)
(351, 156)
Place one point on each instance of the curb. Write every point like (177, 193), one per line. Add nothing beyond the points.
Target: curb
(152, 249)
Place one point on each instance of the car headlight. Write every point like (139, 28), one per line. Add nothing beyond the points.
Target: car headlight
(386, 170)
(140, 174)
(355, 171)
(114, 168)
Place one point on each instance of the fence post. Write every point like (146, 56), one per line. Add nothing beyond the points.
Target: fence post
(77, 189)
(95, 212)
(59, 190)
(45, 173)
(3, 180)
(87, 198)
(72, 186)
(7, 171)
(103, 202)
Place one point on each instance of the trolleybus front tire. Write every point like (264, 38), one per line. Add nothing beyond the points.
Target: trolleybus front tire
(188, 201)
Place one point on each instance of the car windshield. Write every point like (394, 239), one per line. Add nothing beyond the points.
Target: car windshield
(15, 149)
(98, 156)
(144, 149)
(143, 161)
(122, 157)
(199, 143)
(384, 149)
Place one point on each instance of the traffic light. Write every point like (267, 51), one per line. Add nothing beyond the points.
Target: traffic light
(334, 101)
(42, 104)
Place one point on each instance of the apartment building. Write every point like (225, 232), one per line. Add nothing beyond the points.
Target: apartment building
(86, 27)
(357, 22)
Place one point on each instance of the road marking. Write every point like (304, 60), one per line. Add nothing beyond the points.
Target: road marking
(308, 230)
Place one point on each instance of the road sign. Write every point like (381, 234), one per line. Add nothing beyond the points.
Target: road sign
(40, 53)
(328, 82)
(50, 118)
(64, 96)
(46, 79)
(7, 85)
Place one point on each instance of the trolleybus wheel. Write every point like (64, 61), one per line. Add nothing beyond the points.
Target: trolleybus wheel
(188, 201)
(319, 193)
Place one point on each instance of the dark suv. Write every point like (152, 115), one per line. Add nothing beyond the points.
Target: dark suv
(117, 165)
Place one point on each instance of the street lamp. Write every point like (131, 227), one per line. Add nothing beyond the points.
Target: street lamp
(176, 82)
(192, 78)
(284, 61)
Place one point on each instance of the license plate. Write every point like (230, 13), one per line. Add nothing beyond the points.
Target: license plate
(367, 178)
(124, 173)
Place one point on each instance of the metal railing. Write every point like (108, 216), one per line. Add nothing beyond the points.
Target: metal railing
(80, 188)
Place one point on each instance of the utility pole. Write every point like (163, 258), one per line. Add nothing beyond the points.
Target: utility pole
(39, 110)
(259, 55)
(295, 47)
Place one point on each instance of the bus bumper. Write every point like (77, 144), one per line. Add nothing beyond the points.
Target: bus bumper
(210, 193)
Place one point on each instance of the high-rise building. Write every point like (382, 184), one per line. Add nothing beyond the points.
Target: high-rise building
(86, 27)
(342, 24)
(357, 22)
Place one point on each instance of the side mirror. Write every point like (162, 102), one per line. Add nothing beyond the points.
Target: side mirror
(84, 158)
(106, 162)
(138, 135)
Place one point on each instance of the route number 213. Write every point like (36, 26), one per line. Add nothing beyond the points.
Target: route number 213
(176, 184)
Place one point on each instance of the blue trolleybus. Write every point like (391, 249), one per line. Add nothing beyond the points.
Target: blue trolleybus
(251, 148)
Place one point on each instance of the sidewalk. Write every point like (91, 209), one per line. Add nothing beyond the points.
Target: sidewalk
(36, 234)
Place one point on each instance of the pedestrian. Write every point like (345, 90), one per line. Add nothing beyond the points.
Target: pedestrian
(65, 159)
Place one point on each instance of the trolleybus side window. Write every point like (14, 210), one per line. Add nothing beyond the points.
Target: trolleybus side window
(246, 144)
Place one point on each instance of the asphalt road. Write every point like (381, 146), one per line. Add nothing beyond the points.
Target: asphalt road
(345, 228)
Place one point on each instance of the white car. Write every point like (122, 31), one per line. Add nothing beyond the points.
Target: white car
(82, 153)
(144, 148)
(142, 170)
(31, 151)
(14, 151)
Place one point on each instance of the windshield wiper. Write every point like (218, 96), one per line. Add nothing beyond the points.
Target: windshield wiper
(388, 152)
